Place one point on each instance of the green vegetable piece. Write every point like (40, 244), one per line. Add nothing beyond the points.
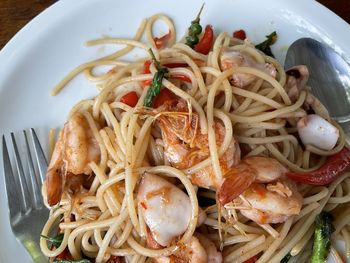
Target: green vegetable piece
(265, 46)
(194, 30)
(322, 237)
(55, 241)
(192, 40)
(156, 84)
(286, 258)
(71, 261)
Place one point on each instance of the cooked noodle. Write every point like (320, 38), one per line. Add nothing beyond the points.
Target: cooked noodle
(105, 219)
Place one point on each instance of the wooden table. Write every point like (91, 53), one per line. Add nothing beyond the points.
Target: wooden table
(14, 14)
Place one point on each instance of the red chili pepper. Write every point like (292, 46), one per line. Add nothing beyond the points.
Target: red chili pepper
(334, 166)
(181, 77)
(252, 259)
(164, 95)
(64, 255)
(240, 34)
(176, 65)
(130, 99)
(146, 70)
(206, 41)
(161, 42)
(146, 67)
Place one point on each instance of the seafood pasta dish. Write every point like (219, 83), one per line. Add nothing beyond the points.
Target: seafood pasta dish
(203, 150)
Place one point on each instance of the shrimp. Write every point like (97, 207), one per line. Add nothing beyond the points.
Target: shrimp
(213, 255)
(74, 149)
(268, 169)
(185, 146)
(271, 203)
(233, 59)
(251, 169)
(191, 252)
(197, 250)
(265, 194)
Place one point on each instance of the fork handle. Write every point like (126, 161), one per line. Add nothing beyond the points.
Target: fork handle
(35, 253)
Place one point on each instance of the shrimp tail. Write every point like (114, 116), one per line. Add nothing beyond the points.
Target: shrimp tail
(54, 179)
(237, 180)
(54, 186)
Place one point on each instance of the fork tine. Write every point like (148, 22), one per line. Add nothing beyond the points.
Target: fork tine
(24, 195)
(40, 156)
(10, 183)
(34, 179)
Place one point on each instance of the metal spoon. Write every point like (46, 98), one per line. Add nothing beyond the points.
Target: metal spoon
(329, 76)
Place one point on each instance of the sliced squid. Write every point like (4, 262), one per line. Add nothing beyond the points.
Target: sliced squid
(316, 131)
(166, 209)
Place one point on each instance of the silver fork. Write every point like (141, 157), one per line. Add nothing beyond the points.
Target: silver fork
(26, 209)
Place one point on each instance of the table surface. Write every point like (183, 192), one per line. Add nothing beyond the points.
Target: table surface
(14, 14)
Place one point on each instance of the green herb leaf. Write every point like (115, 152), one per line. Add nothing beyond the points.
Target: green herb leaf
(156, 84)
(265, 45)
(71, 261)
(55, 241)
(322, 237)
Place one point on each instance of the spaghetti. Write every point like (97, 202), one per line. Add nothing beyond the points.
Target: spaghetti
(101, 216)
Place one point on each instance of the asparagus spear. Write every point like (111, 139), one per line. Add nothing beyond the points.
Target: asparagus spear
(322, 238)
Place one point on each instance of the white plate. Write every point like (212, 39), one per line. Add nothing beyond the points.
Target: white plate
(52, 44)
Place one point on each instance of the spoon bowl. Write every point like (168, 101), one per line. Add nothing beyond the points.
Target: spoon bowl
(329, 76)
